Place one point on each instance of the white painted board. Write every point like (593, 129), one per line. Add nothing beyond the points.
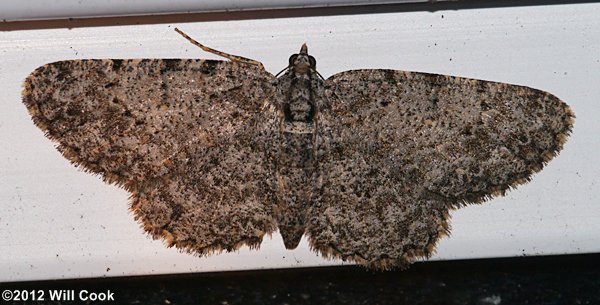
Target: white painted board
(13, 10)
(58, 222)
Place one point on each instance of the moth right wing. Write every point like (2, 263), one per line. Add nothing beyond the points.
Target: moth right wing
(401, 149)
(179, 134)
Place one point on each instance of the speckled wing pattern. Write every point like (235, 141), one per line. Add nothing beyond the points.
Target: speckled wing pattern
(404, 148)
(173, 132)
(367, 163)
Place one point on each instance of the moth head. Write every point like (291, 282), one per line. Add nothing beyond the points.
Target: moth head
(302, 62)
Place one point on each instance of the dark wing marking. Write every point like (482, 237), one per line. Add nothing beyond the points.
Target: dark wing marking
(406, 147)
(177, 133)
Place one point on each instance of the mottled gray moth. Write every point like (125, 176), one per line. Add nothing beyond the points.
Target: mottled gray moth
(367, 163)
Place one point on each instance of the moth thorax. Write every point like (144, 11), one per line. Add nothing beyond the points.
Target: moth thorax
(300, 106)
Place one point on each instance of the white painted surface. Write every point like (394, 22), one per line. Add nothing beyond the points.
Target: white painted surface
(52, 9)
(58, 222)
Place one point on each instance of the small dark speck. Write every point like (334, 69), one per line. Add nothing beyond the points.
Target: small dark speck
(107, 269)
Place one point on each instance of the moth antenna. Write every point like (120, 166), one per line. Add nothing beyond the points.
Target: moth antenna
(319, 74)
(284, 69)
(288, 67)
(231, 57)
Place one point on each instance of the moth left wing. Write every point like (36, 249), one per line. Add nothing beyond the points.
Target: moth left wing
(126, 119)
(183, 136)
(405, 147)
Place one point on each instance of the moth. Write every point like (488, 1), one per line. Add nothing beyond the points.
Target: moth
(366, 163)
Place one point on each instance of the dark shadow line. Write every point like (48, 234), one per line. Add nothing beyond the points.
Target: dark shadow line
(523, 264)
(431, 6)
